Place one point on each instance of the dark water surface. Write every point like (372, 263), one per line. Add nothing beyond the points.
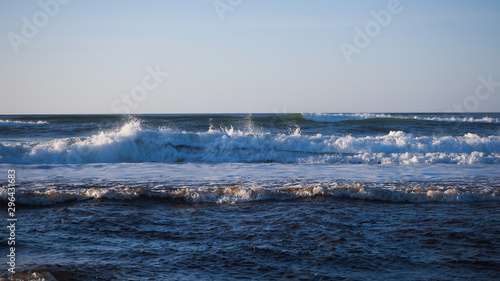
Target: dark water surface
(306, 239)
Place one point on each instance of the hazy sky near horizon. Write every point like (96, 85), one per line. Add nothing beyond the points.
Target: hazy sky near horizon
(248, 56)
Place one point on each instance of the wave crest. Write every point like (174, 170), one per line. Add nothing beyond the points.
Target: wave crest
(339, 117)
(10, 123)
(131, 143)
(240, 193)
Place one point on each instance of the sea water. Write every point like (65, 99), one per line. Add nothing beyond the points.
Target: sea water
(257, 197)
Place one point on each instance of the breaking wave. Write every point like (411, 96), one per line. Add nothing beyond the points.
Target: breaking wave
(131, 143)
(10, 123)
(411, 192)
(338, 117)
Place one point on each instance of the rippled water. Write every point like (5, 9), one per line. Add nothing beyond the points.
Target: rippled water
(264, 197)
(314, 238)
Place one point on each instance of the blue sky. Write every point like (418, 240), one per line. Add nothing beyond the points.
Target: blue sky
(259, 56)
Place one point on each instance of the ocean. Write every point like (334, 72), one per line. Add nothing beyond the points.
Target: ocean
(331, 196)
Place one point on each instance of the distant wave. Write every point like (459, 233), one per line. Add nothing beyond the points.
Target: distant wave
(338, 117)
(5, 123)
(239, 193)
(132, 143)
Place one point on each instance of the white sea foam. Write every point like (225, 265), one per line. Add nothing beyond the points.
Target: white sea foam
(337, 117)
(460, 119)
(31, 276)
(236, 194)
(11, 123)
(130, 143)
